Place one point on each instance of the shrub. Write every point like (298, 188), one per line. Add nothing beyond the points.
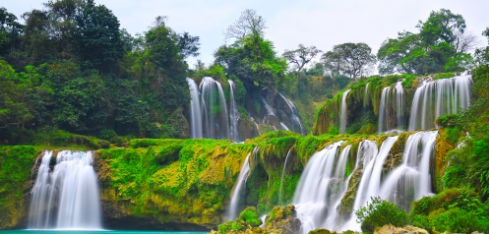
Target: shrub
(447, 121)
(379, 213)
(333, 130)
(460, 221)
(107, 134)
(250, 216)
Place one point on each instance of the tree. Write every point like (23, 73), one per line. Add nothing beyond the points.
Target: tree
(62, 25)
(189, 45)
(349, 58)
(163, 50)
(392, 51)
(441, 27)
(98, 36)
(440, 46)
(254, 62)
(301, 56)
(248, 23)
(36, 41)
(10, 30)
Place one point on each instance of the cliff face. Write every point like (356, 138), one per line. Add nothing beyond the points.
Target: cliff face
(174, 184)
(362, 104)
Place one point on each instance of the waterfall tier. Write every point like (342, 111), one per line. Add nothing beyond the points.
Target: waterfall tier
(435, 98)
(67, 196)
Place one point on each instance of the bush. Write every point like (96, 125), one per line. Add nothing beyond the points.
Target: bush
(460, 221)
(447, 121)
(379, 213)
(107, 134)
(250, 216)
(333, 130)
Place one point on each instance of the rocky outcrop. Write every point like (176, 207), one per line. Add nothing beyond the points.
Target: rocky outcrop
(390, 229)
(284, 218)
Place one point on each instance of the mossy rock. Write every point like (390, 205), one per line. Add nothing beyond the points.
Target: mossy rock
(322, 231)
(283, 218)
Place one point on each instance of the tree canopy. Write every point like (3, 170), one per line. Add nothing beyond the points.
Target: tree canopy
(301, 56)
(440, 46)
(350, 59)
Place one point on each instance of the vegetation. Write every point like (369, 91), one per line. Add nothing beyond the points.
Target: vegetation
(440, 46)
(71, 77)
(378, 213)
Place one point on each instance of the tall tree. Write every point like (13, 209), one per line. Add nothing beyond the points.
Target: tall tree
(349, 59)
(392, 51)
(189, 45)
(62, 25)
(36, 41)
(248, 23)
(98, 36)
(441, 26)
(440, 46)
(10, 30)
(163, 50)
(301, 56)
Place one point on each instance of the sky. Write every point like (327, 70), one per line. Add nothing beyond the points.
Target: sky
(322, 23)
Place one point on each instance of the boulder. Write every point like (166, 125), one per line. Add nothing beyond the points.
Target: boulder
(391, 229)
(284, 218)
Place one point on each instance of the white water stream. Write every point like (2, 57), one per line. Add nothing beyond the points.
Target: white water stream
(66, 197)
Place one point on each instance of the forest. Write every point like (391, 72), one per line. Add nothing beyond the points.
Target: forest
(344, 140)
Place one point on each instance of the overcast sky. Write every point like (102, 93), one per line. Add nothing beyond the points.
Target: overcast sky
(323, 23)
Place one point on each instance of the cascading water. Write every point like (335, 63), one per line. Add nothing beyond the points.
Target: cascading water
(411, 180)
(195, 110)
(66, 197)
(294, 117)
(384, 103)
(365, 95)
(233, 114)
(269, 110)
(282, 180)
(435, 98)
(237, 192)
(214, 128)
(398, 92)
(370, 182)
(391, 99)
(343, 116)
(313, 196)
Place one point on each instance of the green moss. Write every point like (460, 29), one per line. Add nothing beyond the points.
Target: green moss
(16, 163)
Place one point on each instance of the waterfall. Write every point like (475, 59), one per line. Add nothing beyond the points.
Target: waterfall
(268, 109)
(236, 195)
(282, 180)
(211, 104)
(370, 182)
(294, 116)
(335, 202)
(435, 98)
(233, 114)
(411, 180)
(365, 95)
(384, 104)
(343, 117)
(66, 197)
(314, 194)
(399, 97)
(195, 112)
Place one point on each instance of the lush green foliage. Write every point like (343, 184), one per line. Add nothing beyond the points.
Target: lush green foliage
(379, 213)
(453, 210)
(73, 67)
(434, 49)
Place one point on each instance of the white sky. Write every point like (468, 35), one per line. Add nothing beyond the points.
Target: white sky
(323, 23)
